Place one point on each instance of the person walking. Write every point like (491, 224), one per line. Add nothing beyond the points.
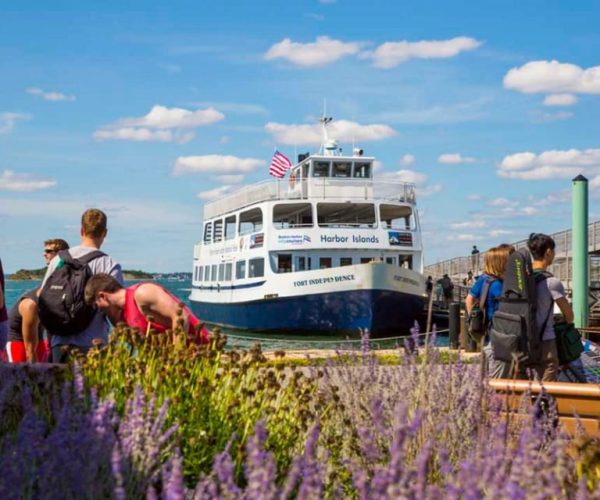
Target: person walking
(133, 306)
(549, 291)
(93, 233)
(475, 259)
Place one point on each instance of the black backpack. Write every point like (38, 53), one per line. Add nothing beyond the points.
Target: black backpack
(61, 304)
(515, 335)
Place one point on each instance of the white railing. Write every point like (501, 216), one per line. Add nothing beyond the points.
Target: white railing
(313, 188)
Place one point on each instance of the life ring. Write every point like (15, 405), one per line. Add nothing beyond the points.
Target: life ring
(292, 180)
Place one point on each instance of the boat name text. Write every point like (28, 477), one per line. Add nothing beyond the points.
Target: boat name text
(324, 280)
(356, 238)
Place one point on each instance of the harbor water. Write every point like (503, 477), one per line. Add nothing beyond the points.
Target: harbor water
(244, 339)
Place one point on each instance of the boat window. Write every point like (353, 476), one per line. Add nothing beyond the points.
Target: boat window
(228, 267)
(342, 169)
(240, 269)
(362, 169)
(256, 268)
(346, 214)
(208, 232)
(221, 272)
(230, 227)
(395, 216)
(199, 273)
(213, 272)
(218, 230)
(405, 261)
(284, 263)
(290, 215)
(321, 169)
(345, 261)
(251, 221)
(365, 260)
(207, 273)
(301, 264)
(389, 260)
(324, 262)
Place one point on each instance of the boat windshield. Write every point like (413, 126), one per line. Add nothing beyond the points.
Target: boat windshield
(346, 214)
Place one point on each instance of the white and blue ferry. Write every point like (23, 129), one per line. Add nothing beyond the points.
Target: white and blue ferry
(330, 249)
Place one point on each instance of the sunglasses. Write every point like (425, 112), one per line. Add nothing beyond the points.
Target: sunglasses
(49, 250)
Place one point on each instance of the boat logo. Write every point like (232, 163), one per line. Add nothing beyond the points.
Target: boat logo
(293, 239)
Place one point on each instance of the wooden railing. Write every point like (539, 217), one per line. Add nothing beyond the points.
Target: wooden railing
(575, 403)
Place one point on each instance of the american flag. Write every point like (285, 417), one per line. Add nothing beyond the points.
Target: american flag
(279, 165)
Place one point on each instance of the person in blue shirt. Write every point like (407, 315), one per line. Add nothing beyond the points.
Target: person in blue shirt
(494, 262)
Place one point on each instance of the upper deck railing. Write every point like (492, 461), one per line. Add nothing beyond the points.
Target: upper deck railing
(314, 188)
(458, 267)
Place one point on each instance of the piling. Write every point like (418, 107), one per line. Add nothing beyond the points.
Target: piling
(453, 324)
(580, 256)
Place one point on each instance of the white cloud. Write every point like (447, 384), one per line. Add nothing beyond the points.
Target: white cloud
(238, 108)
(494, 233)
(161, 117)
(413, 177)
(342, 130)
(455, 159)
(224, 140)
(133, 134)
(49, 96)
(501, 202)
(560, 100)
(10, 181)
(319, 53)
(407, 160)
(553, 77)
(160, 124)
(8, 121)
(553, 164)
(474, 224)
(463, 237)
(542, 117)
(213, 194)
(230, 178)
(473, 197)
(391, 54)
(552, 198)
(218, 164)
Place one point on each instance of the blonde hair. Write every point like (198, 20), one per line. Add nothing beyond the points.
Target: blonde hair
(494, 260)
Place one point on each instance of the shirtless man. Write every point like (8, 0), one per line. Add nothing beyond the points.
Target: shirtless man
(134, 304)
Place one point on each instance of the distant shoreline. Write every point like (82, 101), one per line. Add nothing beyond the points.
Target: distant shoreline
(128, 275)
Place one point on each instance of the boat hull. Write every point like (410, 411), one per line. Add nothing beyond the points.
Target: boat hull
(381, 312)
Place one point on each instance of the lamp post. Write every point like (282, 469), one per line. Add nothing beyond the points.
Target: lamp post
(580, 258)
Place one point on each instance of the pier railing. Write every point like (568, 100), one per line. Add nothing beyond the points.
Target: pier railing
(458, 268)
(330, 188)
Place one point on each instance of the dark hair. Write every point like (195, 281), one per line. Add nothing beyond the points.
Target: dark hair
(538, 245)
(100, 283)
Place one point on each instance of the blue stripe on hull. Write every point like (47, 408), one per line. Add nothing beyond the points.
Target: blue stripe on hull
(382, 312)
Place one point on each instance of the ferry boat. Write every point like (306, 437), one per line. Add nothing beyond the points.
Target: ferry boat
(330, 249)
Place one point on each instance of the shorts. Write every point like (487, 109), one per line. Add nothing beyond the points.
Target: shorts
(15, 351)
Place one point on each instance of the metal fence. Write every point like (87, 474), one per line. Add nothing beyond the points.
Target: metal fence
(459, 267)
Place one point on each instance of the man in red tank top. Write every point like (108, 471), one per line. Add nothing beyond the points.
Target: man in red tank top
(134, 304)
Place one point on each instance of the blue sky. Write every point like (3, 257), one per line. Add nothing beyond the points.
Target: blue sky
(138, 107)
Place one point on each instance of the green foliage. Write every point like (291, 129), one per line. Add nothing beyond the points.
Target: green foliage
(215, 396)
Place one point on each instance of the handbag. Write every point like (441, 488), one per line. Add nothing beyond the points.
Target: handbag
(568, 342)
(478, 316)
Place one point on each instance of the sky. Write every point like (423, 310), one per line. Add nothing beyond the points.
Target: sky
(148, 109)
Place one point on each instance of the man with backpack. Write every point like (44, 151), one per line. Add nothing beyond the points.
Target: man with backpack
(522, 333)
(72, 324)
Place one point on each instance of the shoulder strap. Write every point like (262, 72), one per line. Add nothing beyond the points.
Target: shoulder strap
(89, 257)
(484, 293)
